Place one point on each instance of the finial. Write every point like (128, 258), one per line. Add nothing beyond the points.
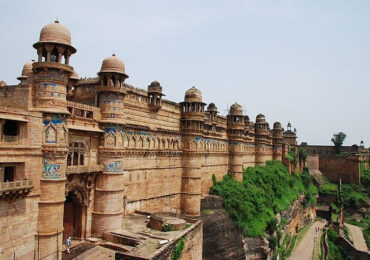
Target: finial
(56, 20)
(113, 54)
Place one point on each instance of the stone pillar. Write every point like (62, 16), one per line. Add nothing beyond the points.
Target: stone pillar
(191, 184)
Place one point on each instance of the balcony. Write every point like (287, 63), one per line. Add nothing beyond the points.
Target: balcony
(15, 189)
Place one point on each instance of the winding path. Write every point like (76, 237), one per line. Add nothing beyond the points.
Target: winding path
(357, 236)
(305, 248)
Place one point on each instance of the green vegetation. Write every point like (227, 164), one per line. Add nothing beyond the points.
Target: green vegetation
(353, 195)
(281, 250)
(291, 246)
(329, 189)
(187, 225)
(302, 154)
(338, 140)
(167, 228)
(176, 254)
(346, 234)
(264, 191)
(336, 252)
(292, 157)
(206, 211)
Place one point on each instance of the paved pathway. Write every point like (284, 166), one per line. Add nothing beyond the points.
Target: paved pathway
(305, 248)
(357, 236)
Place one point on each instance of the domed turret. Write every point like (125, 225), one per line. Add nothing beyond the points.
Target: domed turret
(112, 90)
(211, 108)
(55, 33)
(51, 71)
(155, 95)
(193, 95)
(192, 111)
(277, 125)
(2, 83)
(113, 64)
(236, 109)
(260, 118)
(235, 122)
(27, 69)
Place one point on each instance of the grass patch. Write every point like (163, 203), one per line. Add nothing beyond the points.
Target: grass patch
(329, 189)
(206, 211)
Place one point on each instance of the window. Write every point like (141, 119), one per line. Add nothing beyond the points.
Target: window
(76, 154)
(10, 128)
(9, 173)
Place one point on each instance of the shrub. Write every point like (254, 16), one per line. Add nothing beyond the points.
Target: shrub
(264, 191)
(167, 228)
(176, 254)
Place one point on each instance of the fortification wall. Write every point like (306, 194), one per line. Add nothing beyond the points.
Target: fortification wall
(18, 226)
(346, 168)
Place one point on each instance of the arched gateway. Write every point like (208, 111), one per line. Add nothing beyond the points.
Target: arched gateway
(74, 219)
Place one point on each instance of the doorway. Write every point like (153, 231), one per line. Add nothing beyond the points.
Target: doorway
(72, 219)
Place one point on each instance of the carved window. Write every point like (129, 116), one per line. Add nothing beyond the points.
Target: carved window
(76, 154)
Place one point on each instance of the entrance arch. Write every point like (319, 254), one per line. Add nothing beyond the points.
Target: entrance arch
(74, 215)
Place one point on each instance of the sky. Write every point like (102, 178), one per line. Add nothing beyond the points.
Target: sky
(304, 62)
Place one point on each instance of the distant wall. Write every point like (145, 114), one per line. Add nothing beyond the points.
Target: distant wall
(312, 162)
(346, 168)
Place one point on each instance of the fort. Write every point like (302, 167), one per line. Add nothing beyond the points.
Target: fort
(79, 155)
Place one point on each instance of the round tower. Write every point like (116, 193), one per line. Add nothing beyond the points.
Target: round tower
(192, 127)
(277, 141)
(155, 96)
(108, 203)
(262, 140)
(112, 91)
(50, 78)
(236, 136)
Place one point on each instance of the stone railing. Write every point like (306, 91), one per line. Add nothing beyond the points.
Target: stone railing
(15, 188)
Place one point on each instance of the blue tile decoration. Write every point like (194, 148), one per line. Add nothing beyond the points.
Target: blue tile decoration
(51, 171)
(115, 167)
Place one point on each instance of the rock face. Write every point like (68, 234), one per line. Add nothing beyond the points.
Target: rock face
(221, 238)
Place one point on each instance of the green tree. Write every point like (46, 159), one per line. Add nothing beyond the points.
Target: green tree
(303, 155)
(338, 140)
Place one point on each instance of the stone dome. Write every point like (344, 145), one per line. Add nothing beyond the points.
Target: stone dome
(193, 95)
(155, 86)
(74, 76)
(236, 109)
(113, 64)
(212, 108)
(246, 118)
(277, 125)
(55, 33)
(27, 69)
(2, 83)
(260, 118)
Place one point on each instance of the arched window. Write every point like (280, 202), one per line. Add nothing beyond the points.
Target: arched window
(76, 154)
(105, 81)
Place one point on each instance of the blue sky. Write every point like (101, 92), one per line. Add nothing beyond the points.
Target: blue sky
(306, 62)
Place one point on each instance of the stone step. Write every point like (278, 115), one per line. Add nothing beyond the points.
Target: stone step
(118, 247)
